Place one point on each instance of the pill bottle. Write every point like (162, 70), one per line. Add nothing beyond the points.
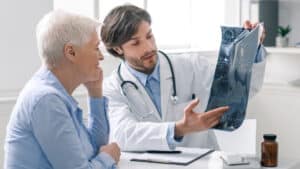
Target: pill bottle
(269, 151)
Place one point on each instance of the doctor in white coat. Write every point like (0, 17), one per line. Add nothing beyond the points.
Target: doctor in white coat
(153, 98)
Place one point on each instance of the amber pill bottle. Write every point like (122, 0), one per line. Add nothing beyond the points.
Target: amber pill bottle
(269, 151)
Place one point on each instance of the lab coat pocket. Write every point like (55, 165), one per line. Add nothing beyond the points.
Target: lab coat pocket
(138, 104)
(142, 111)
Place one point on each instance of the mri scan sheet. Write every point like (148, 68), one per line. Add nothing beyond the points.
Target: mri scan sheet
(231, 83)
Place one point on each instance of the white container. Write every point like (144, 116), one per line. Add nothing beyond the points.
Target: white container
(282, 41)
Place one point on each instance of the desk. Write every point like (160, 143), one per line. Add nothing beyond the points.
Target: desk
(207, 162)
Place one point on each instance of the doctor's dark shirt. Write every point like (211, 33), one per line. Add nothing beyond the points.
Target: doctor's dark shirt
(46, 129)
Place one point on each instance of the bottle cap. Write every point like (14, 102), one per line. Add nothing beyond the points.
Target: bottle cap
(271, 137)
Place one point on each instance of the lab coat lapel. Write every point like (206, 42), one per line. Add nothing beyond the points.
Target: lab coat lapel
(165, 84)
(129, 77)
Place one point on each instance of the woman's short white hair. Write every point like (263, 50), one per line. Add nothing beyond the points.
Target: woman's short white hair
(59, 27)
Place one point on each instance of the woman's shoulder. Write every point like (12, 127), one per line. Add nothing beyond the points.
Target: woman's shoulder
(34, 91)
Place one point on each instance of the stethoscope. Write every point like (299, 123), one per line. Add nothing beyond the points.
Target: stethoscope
(174, 96)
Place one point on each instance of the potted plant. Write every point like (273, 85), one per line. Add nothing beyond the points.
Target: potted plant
(282, 40)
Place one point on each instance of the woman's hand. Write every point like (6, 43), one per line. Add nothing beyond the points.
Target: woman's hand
(113, 150)
(95, 87)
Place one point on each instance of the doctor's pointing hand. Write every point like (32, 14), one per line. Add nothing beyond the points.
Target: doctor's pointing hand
(195, 122)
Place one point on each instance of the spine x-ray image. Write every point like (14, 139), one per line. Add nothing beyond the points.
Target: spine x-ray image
(232, 77)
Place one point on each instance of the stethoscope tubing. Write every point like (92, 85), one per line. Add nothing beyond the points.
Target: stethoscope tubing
(174, 94)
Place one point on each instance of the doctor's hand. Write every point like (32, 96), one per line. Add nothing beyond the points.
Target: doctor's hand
(95, 87)
(113, 150)
(195, 122)
(248, 25)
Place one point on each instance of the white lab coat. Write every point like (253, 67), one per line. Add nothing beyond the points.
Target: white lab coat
(134, 131)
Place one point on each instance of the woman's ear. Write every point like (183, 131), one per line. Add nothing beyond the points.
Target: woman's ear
(118, 50)
(69, 52)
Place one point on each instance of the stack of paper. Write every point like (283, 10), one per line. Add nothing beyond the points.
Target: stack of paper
(187, 156)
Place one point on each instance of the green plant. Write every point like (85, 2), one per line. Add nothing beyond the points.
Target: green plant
(283, 31)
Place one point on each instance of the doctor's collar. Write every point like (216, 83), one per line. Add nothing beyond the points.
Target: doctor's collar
(142, 77)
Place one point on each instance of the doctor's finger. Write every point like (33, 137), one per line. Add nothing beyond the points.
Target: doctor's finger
(263, 36)
(191, 105)
(219, 110)
(214, 123)
(216, 112)
(254, 25)
(247, 24)
(214, 119)
(209, 123)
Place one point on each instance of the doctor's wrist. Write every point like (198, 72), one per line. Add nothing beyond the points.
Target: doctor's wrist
(180, 129)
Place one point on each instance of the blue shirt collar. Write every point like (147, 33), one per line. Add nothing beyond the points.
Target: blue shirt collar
(49, 78)
(142, 77)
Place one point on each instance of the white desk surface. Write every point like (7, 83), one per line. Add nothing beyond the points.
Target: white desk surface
(208, 162)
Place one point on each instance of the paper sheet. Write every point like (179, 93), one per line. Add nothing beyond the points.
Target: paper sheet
(232, 77)
(187, 156)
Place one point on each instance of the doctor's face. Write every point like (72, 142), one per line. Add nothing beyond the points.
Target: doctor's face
(140, 51)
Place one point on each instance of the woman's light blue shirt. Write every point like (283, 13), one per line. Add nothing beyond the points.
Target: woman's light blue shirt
(46, 129)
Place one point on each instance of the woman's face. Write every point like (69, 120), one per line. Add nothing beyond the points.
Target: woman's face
(87, 62)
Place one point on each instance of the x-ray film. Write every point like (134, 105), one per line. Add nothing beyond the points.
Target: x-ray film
(231, 83)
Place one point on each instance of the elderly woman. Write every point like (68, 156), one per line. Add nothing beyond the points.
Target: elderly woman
(46, 129)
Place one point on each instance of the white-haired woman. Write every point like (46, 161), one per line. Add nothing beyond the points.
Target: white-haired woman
(46, 129)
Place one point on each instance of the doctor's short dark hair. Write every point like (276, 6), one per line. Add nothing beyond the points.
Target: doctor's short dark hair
(120, 25)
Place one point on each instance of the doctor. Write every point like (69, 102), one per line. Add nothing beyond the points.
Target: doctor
(154, 98)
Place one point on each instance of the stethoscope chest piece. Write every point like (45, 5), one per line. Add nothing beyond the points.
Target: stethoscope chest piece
(174, 99)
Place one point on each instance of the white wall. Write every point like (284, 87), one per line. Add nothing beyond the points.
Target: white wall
(18, 57)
